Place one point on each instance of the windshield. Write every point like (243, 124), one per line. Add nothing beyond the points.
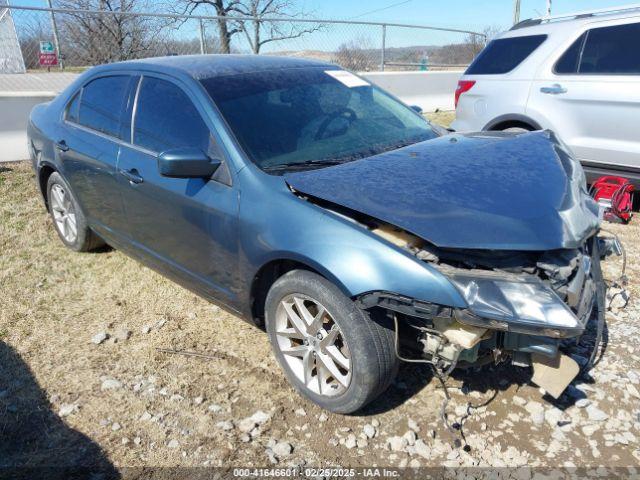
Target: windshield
(309, 117)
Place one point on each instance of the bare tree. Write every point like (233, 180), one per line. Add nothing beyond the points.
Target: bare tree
(357, 55)
(111, 36)
(259, 32)
(475, 43)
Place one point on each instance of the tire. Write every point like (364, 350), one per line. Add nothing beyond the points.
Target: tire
(517, 129)
(363, 338)
(66, 214)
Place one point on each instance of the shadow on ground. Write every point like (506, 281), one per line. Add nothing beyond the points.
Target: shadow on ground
(34, 441)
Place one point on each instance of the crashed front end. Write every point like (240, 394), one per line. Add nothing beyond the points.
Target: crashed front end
(507, 220)
(521, 307)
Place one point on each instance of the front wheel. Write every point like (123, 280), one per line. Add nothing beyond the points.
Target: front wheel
(333, 353)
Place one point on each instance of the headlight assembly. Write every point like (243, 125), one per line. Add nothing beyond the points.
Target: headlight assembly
(526, 306)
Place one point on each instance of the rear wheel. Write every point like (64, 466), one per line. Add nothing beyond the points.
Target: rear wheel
(333, 353)
(68, 219)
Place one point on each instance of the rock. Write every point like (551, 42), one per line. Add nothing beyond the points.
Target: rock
(589, 430)
(260, 417)
(145, 417)
(67, 409)
(536, 412)
(282, 449)
(323, 417)
(633, 391)
(198, 400)
(225, 425)
(249, 423)
(519, 401)
(375, 423)
(410, 436)
(109, 383)
(422, 449)
(122, 334)
(98, 338)
(595, 414)
(137, 440)
(214, 408)
(413, 425)
(173, 443)
(362, 443)
(116, 426)
(176, 398)
(300, 412)
(583, 402)
(334, 442)
(397, 444)
(146, 329)
(125, 441)
(350, 441)
(369, 431)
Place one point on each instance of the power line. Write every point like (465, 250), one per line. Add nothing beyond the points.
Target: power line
(380, 9)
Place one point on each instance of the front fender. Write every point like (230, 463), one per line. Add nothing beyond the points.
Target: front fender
(356, 260)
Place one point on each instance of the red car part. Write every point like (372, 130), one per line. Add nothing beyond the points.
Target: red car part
(615, 195)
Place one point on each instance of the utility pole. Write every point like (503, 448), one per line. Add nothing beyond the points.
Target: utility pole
(516, 11)
(548, 8)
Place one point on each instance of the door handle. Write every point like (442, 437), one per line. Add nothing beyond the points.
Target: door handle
(132, 175)
(554, 89)
(62, 146)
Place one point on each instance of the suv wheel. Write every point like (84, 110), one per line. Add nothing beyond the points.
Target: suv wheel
(333, 353)
(68, 219)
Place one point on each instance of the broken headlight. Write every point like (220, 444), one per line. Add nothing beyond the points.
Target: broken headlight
(526, 306)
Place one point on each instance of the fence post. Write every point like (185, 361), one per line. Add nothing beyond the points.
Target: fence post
(384, 41)
(203, 47)
(55, 37)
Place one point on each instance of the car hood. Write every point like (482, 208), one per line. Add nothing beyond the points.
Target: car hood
(476, 191)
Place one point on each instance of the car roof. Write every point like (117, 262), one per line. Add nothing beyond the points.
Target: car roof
(209, 66)
(569, 22)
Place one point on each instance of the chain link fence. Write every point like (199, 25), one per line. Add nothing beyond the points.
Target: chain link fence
(83, 38)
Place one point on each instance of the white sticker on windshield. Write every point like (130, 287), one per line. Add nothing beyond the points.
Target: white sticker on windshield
(347, 78)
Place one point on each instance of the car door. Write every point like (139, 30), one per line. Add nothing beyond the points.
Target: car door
(591, 95)
(186, 226)
(88, 149)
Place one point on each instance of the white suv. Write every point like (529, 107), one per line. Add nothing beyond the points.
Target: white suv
(577, 75)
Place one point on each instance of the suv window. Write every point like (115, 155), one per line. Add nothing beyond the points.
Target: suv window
(612, 50)
(166, 118)
(101, 103)
(504, 54)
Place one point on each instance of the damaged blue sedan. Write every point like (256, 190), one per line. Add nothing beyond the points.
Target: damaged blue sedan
(301, 197)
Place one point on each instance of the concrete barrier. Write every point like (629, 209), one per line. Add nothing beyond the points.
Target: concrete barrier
(14, 114)
(431, 91)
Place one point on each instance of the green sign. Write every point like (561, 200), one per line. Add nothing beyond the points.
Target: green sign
(47, 47)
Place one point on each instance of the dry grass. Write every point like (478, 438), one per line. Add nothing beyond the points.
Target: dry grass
(53, 301)
(443, 118)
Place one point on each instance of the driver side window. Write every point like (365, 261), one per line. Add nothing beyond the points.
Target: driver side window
(166, 118)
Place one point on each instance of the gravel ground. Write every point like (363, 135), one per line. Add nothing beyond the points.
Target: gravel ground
(82, 379)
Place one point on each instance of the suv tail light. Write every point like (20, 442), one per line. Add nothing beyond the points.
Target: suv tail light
(463, 86)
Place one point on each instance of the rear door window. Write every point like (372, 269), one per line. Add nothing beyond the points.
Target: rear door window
(568, 62)
(612, 50)
(101, 104)
(166, 118)
(73, 107)
(504, 54)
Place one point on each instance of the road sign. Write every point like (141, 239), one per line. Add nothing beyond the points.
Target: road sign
(48, 55)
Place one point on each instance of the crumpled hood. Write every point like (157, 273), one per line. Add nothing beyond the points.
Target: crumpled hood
(475, 191)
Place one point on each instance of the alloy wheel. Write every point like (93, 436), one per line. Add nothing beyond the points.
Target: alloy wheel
(313, 345)
(64, 213)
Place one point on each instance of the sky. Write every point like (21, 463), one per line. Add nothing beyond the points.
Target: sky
(474, 15)
(467, 14)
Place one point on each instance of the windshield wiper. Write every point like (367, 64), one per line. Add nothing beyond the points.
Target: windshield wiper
(306, 164)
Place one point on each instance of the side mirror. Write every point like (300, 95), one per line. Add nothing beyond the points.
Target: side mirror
(416, 108)
(186, 163)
